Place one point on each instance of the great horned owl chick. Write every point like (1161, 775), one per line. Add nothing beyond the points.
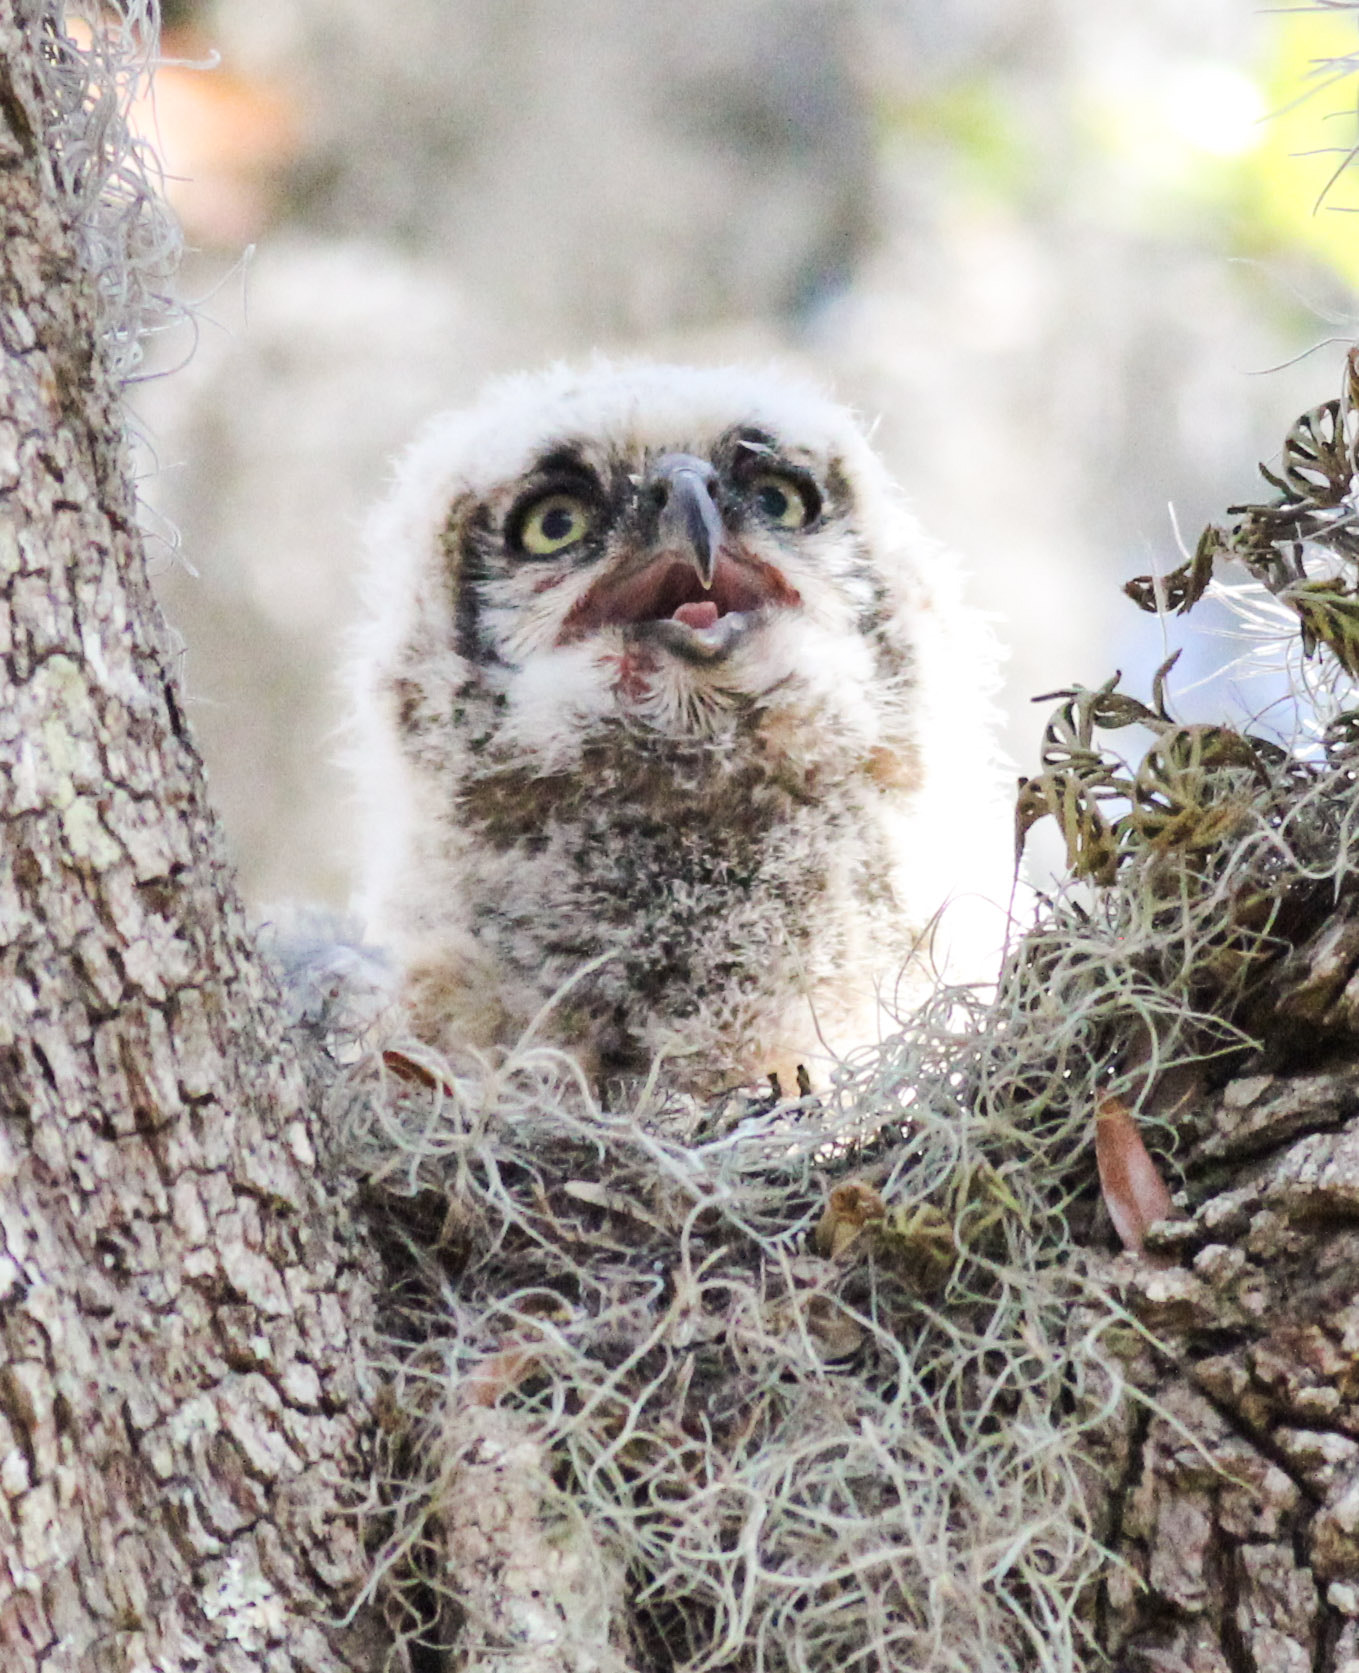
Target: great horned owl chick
(667, 709)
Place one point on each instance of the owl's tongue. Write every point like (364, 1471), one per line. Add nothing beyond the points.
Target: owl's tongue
(700, 615)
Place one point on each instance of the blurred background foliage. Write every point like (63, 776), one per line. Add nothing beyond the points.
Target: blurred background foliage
(1068, 253)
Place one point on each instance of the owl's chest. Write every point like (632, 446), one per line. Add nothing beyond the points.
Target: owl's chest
(670, 898)
(659, 852)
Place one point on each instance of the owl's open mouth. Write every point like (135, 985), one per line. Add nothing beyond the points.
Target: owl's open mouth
(667, 602)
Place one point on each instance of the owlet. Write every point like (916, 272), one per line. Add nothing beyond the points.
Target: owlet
(673, 731)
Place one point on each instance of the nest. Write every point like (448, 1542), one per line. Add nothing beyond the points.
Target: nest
(800, 1394)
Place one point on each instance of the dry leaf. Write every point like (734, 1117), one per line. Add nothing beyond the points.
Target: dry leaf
(499, 1375)
(849, 1208)
(1134, 1192)
(415, 1074)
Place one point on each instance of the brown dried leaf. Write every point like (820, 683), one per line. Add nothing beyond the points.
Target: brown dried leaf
(849, 1208)
(837, 1333)
(407, 1069)
(498, 1376)
(1134, 1192)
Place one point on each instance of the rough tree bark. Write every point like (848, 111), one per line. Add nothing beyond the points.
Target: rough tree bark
(1235, 1489)
(182, 1402)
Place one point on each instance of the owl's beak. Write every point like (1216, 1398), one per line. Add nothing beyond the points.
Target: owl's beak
(689, 519)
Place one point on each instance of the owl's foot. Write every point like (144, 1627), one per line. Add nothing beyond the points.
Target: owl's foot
(800, 1077)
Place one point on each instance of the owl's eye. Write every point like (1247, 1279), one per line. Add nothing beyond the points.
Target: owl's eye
(786, 502)
(554, 523)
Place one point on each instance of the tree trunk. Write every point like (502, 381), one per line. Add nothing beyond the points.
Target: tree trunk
(183, 1400)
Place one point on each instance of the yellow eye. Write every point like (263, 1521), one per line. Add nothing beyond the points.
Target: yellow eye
(553, 524)
(784, 501)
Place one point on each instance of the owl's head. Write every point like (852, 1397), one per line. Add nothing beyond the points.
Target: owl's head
(658, 548)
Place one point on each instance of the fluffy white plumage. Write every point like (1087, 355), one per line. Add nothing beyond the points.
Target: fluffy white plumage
(661, 678)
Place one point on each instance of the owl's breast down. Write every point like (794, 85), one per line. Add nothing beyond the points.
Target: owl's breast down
(673, 730)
